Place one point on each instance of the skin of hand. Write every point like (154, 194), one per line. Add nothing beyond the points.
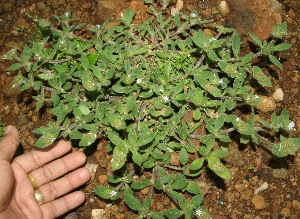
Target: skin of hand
(55, 171)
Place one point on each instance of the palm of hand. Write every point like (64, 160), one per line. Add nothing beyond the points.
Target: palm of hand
(17, 198)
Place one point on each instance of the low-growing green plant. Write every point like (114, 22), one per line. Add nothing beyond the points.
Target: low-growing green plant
(147, 88)
(1, 129)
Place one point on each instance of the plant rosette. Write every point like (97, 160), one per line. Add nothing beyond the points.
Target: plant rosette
(135, 84)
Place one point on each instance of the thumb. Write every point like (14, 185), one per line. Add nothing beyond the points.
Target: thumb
(9, 143)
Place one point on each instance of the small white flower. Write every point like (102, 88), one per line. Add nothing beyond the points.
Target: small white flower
(291, 125)
(161, 90)
(212, 39)
(237, 119)
(67, 14)
(98, 25)
(199, 212)
(193, 15)
(113, 193)
(256, 96)
(129, 76)
(221, 81)
(166, 99)
(139, 80)
(122, 15)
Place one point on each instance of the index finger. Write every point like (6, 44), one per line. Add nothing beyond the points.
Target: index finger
(9, 143)
(39, 157)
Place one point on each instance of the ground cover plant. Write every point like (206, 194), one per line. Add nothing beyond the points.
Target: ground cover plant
(135, 84)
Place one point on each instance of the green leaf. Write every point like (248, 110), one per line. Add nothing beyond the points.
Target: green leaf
(14, 66)
(196, 96)
(236, 45)
(92, 57)
(182, 132)
(197, 164)
(212, 55)
(140, 185)
(88, 82)
(275, 61)
(197, 114)
(183, 156)
(137, 158)
(40, 100)
(196, 201)
(182, 202)
(251, 99)
(243, 127)
(128, 17)
(219, 122)
(84, 110)
(158, 184)
(130, 200)
(116, 121)
(215, 165)
(10, 54)
(47, 76)
(87, 139)
(84, 62)
(121, 89)
(49, 135)
(219, 153)
(199, 39)
(287, 146)
(247, 58)
(107, 192)
(261, 77)
(149, 163)
(193, 188)
(173, 213)
(280, 30)
(119, 157)
(282, 46)
(75, 134)
(60, 112)
(179, 184)
(146, 136)
(201, 213)
(113, 179)
(256, 40)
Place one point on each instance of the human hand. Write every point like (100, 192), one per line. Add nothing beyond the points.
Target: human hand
(46, 166)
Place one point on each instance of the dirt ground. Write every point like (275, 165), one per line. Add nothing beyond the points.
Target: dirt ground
(251, 166)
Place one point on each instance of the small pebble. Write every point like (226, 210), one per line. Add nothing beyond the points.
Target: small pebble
(278, 95)
(223, 8)
(259, 202)
(99, 214)
(263, 187)
(279, 173)
(267, 104)
(296, 205)
(285, 212)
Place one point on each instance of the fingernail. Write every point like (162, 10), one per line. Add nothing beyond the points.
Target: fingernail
(7, 130)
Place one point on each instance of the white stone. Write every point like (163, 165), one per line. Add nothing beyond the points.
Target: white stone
(223, 8)
(99, 214)
(263, 187)
(278, 95)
